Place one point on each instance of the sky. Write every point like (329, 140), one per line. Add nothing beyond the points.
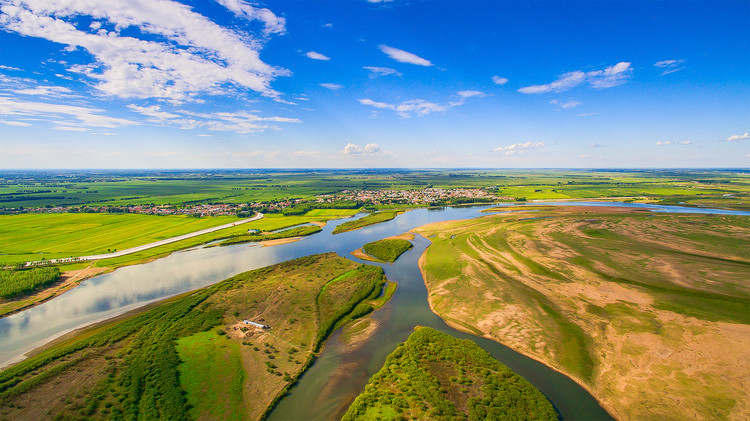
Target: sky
(374, 84)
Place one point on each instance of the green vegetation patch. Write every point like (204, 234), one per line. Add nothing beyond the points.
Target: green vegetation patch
(387, 250)
(371, 219)
(438, 377)
(17, 282)
(212, 375)
(288, 233)
(192, 356)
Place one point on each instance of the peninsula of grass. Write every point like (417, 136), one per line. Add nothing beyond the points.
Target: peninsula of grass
(438, 377)
(193, 356)
(371, 219)
(387, 250)
(288, 233)
(612, 297)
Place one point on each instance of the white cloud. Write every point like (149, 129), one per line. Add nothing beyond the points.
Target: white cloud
(519, 148)
(242, 122)
(90, 117)
(404, 56)
(9, 68)
(670, 66)
(596, 145)
(327, 25)
(332, 86)
(370, 148)
(71, 128)
(598, 79)
(316, 56)
(15, 123)
(272, 23)
(420, 107)
(381, 71)
(469, 94)
(48, 91)
(565, 105)
(379, 1)
(497, 80)
(191, 54)
(737, 137)
(669, 142)
(306, 154)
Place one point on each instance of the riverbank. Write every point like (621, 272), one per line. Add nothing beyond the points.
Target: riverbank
(569, 287)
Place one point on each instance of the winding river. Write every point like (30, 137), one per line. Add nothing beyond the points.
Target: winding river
(329, 385)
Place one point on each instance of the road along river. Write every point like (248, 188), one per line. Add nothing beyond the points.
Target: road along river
(339, 374)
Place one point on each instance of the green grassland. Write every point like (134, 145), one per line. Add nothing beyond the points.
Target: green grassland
(287, 233)
(179, 188)
(387, 250)
(578, 288)
(371, 219)
(438, 377)
(47, 236)
(192, 356)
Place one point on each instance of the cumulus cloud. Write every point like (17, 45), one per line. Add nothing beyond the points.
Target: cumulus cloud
(598, 79)
(565, 105)
(59, 113)
(353, 149)
(332, 86)
(170, 52)
(519, 148)
(497, 80)
(317, 56)
(670, 66)
(737, 137)
(381, 71)
(670, 142)
(404, 56)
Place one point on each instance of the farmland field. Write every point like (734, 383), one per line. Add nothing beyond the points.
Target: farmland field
(625, 302)
(193, 355)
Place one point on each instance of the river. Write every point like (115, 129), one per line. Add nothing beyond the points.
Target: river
(339, 374)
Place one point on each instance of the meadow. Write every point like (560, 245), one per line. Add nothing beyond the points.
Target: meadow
(387, 250)
(624, 301)
(371, 219)
(438, 377)
(192, 356)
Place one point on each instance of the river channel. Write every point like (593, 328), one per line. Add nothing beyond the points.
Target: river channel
(339, 373)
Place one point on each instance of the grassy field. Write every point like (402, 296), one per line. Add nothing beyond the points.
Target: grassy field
(31, 189)
(387, 250)
(287, 233)
(193, 356)
(625, 302)
(47, 236)
(438, 377)
(371, 219)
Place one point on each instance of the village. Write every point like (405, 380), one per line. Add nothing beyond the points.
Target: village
(424, 197)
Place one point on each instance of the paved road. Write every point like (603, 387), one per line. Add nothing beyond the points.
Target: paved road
(148, 246)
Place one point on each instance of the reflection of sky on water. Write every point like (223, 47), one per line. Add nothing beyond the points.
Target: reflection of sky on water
(130, 287)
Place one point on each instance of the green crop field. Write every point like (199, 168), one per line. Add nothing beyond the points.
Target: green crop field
(180, 188)
(192, 356)
(47, 236)
(438, 377)
(605, 295)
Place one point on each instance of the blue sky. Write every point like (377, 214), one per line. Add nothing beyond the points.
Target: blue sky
(358, 83)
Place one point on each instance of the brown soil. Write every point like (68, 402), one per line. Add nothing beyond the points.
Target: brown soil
(360, 254)
(271, 243)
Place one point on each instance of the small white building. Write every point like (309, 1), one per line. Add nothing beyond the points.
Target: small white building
(258, 325)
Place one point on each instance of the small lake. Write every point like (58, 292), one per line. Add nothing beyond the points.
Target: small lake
(338, 375)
